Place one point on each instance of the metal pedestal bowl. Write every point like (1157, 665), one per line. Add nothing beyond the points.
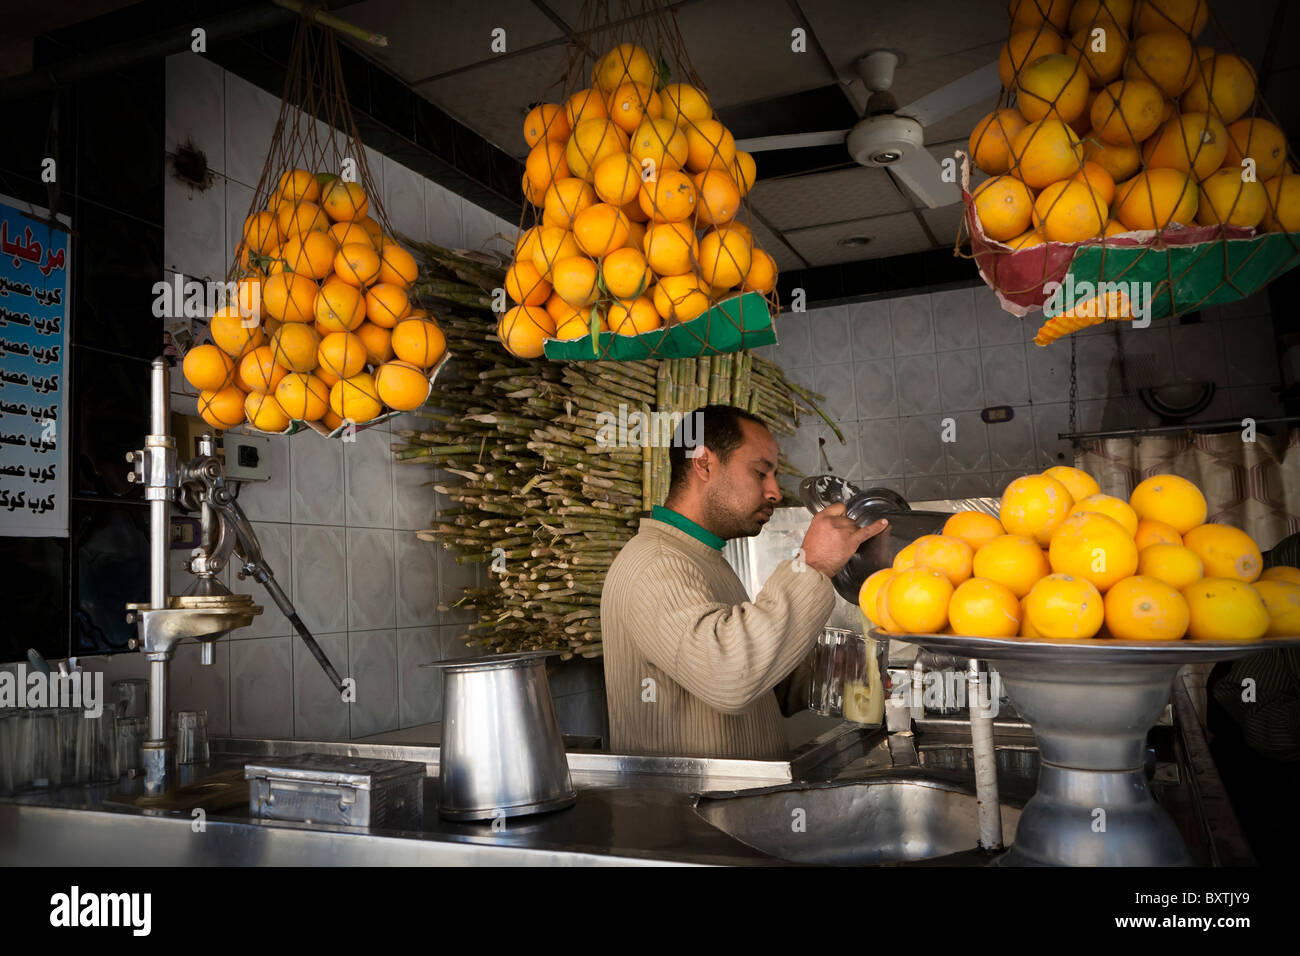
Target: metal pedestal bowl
(1091, 703)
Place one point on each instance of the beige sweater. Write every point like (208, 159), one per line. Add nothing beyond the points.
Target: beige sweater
(674, 613)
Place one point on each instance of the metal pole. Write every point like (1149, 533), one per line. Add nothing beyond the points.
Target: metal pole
(1169, 429)
(986, 764)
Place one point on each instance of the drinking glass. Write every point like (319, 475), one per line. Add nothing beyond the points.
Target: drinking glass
(40, 761)
(131, 697)
(70, 730)
(97, 749)
(192, 736)
(131, 732)
(9, 724)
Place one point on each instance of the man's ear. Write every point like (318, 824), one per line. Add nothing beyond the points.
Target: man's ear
(701, 461)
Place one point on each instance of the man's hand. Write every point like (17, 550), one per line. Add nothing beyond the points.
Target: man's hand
(833, 538)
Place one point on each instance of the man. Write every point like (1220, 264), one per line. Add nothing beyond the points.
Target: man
(690, 662)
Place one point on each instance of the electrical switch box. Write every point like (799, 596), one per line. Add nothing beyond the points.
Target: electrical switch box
(248, 457)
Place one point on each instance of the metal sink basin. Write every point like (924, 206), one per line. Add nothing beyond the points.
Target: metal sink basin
(890, 818)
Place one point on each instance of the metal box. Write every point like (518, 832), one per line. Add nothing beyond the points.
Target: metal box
(344, 791)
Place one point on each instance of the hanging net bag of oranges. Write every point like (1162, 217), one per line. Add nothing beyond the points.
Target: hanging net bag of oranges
(635, 240)
(1134, 171)
(320, 325)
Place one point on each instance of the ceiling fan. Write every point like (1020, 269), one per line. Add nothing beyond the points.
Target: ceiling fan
(893, 137)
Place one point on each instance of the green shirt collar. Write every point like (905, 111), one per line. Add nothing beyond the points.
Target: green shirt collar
(683, 523)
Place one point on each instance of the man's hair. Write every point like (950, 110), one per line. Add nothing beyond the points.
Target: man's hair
(717, 427)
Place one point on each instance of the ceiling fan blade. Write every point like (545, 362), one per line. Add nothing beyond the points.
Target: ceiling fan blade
(920, 172)
(792, 141)
(983, 84)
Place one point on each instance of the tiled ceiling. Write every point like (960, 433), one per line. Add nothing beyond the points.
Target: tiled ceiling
(741, 51)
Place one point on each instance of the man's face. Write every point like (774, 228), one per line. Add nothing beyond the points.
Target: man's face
(742, 491)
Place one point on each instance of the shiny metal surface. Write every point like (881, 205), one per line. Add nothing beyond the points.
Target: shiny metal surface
(1096, 650)
(819, 491)
(502, 755)
(345, 791)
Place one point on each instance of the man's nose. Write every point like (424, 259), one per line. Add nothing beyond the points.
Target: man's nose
(772, 490)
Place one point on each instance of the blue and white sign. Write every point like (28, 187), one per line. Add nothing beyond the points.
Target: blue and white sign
(34, 305)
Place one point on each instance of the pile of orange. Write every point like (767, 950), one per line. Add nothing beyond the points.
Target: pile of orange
(321, 326)
(1121, 124)
(638, 185)
(1066, 561)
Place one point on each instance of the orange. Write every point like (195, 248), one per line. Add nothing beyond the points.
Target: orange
(1126, 112)
(401, 386)
(525, 285)
(553, 244)
(718, 197)
(631, 103)
(1222, 84)
(545, 121)
(660, 144)
(371, 227)
(1282, 601)
(1165, 59)
(1086, 12)
(1226, 552)
(600, 229)
(680, 298)
(1225, 609)
(1070, 211)
(351, 233)
(983, 608)
(1098, 180)
(744, 171)
(1280, 573)
(344, 202)
(262, 232)
(294, 346)
(633, 316)
(545, 164)
(355, 398)
(683, 102)
(1155, 199)
(761, 276)
(626, 63)
(709, 143)
(1024, 47)
(1095, 548)
(1142, 608)
(1283, 213)
(310, 254)
(1004, 205)
(669, 197)
(1034, 506)
(577, 325)
(917, 600)
(523, 329)
(950, 555)
(625, 273)
(565, 199)
(296, 185)
(259, 370)
(1053, 85)
(296, 218)
(1259, 140)
(386, 303)
(329, 419)
(670, 248)
(1114, 508)
(1114, 228)
(591, 141)
(419, 342)
(264, 412)
(357, 264)
(1225, 198)
(527, 242)
(396, 265)
(302, 396)
(1077, 482)
(1030, 14)
(341, 354)
(1192, 142)
(904, 559)
(1101, 49)
(531, 194)
(637, 217)
(208, 368)
(232, 332)
(1185, 16)
(1150, 531)
(1119, 162)
(290, 297)
(990, 140)
(1026, 629)
(1046, 151)
(575, 281)
(1027, 240)
(1063, 606)
(223, 408)
(976, 528)
(378, 342)
(1169, 499)
(339, 307)
(724, 257)
(870, 592)
(1012, 560)
(618, 179)
(584, 105)
(1174, 564)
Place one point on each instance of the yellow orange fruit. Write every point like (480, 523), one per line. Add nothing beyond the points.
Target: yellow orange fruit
(574, 280)
(1165, 58)
(1114, 508)
(591, 141)
(1004, 206)
(658, 145)
(1280, 573)
(1225, 609)
(341, 354)
(1100, 49)
(1063, 606)
(1176, 565)
(262, 232)
(302, 396)
(545, 164)
(378, 341)
(1260, 140)
(917, 600)
(1095, 177)
(310, 254)
(1143, 608)
(545, 121)
(1119, 162)
(1011, 560)
(1156, 198)
(222, 408)
(633, 316)
(1126, 112)
(1027, 240)
(578, 325)
(761, 276)
(1283, 213)
(290, 297)
(1044, 152)
(260, 371)
(724, 257)
(870, 591)
(950, 555)
(1150, 531)
(294, 346)
(524, 329)
(671, 248)
(904, 559)
(344, 201)
(600, 229)
(386, 304)
(296, 185)
(718, 197)
(1026, 629)
(264, 412)
(357, 264)
(990, 140)
(1032, 14)
(208, 368)
(1094, 547)
(669, 197)
(397, 266)
(1054, 85)
(294, 219)
(1034, 506)
(233, 333)
(553, 244)
(1078, 482)
(584, 105)
(1087, 12)
(626, 273)
(617, 179)
(683, 103)
(1226, 199)
(976, 528)
(1226, 552)
(1191, 142)
(1024, 47)
(401, 386)
(709, 143)
(631, 103)
(1282, 601)
(526, 243)
(339, 306)
(1224, 85)
(744, 171)
(352, 233)
(983, 608)
(565, 199)
(525, 285)
(419, 342)
(1069, 211)
(1173, 500)
(680, 298)
(625, 63)
(355, 398)
(1184, 16)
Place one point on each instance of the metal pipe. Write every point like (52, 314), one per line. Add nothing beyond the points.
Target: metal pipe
(986, 764)
(1170, 429)
(159, 498)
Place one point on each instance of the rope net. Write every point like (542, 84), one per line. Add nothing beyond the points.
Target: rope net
(320, 325)
(1123, 152)
(636, 217)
